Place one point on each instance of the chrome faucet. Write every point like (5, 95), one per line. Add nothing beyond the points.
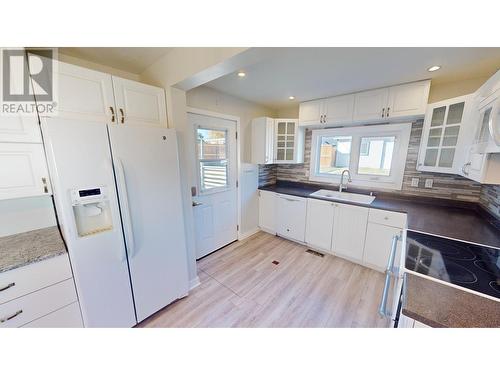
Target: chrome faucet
(343, 186)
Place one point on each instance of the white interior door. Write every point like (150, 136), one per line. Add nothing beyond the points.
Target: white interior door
(147, 174)
(139, 104)
(216, 209)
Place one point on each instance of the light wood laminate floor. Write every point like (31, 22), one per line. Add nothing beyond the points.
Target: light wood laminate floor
(241, 287)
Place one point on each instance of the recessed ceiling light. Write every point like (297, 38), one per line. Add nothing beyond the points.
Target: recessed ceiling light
(291, 97)
(434, 68)
(241, 74)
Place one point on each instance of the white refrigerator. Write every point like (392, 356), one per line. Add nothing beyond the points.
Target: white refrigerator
(118, 200)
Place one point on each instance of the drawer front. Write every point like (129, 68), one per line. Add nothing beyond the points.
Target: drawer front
(66, 317)
(25, 309)
(24, 280)
(392, 219)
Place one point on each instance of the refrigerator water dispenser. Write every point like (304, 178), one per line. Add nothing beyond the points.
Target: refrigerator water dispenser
(92, 211)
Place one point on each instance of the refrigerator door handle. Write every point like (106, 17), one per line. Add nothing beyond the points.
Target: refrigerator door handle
(125, 209)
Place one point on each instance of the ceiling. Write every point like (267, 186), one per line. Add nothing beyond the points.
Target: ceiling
(311, 73)
(130, 59)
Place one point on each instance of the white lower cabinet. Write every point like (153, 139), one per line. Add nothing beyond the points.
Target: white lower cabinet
(406, 322)
(378, 245)
(291, 217)
(66, 317)
(30, 307)
(41, 294)
(359, 234)
(23, 170)
(319, 224)
(267, 211)
(349, 231)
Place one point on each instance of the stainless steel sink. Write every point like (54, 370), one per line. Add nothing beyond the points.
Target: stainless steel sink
(343, 197)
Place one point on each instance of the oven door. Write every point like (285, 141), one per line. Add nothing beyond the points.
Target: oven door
(393, 282)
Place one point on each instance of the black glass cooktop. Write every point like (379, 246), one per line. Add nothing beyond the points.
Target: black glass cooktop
(470, 266)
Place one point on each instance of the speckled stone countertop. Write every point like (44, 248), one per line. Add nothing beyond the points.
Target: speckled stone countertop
(439, 305)
(25, 248)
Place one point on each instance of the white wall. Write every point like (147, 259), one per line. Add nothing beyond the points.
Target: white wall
(25, 214)
(212, 100)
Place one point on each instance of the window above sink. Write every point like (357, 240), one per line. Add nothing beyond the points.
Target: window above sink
(375, 155)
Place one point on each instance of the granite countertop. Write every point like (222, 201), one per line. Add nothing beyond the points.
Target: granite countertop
(25, 248)
(461, 220)
(439, 305)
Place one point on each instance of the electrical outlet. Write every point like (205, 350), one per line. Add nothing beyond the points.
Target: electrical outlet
(428, 183)
(414, 182)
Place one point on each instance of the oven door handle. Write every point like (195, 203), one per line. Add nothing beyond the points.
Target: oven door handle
(382, 310)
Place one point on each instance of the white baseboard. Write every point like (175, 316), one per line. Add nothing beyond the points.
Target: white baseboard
(194, 283)
(247, 234)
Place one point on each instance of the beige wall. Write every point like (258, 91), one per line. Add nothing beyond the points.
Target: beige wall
(98, 67)
(442, 91)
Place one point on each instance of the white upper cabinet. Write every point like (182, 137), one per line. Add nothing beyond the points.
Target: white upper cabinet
(338, 110)
(262, 140)
(482, 168)
(23, 171)
(380, 105)
(319, 224)
(139, 104)
(277, 141)
(20, 129)
(408, 100)
(311, 113)
(370, 105)
(288, 141)
(85, 94)
(446, 134)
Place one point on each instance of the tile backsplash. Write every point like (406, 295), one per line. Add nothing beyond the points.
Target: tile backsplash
(445, 186)
(490, 199)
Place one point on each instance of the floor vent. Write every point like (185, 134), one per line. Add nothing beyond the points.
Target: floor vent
(315, 253)
(275, 262)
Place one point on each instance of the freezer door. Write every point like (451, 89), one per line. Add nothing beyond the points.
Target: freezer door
(79, 158)
(148, 182)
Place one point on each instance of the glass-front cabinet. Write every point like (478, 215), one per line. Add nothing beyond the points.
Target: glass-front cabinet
(445, 133)
(289, 141)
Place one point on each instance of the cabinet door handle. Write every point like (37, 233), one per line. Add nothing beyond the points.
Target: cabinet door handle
(123, 116)
(388, 109)
(383, 112)
(2, 320)
(112, 114)
(45, 187)
(8, 286)
(463, 168)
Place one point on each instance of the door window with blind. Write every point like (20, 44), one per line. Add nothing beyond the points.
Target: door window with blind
(212, 153)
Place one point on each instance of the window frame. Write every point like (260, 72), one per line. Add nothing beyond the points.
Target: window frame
(394, 181)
